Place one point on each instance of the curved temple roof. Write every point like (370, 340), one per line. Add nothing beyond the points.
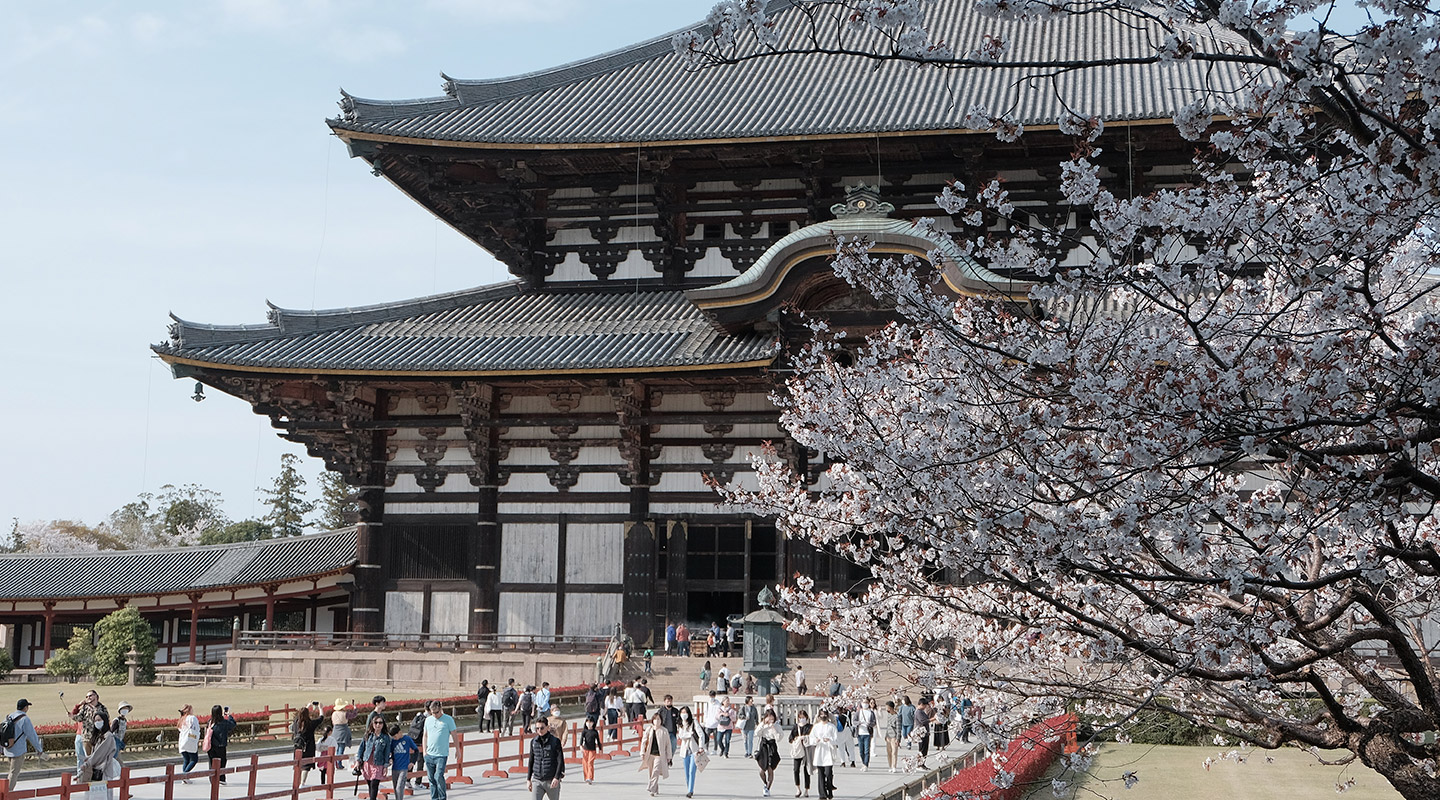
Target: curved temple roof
(135, 573)
(645, 93)
(493, 329)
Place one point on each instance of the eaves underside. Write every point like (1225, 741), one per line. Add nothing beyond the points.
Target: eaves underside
(186, 591)
(448, 374)
(347, 135)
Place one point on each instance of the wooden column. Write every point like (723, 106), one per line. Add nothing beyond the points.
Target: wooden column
(638, 602)
(638, 606)
(270, 608)
(194, 622)
(49, 617)
(676, 603)
(479, 410)
(368, 600)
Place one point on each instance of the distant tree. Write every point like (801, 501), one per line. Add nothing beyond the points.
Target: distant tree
(249, 530)
(7, 663)
(65, 536)
(118, 633)
(337, 502)
(185, 513)
(17, 539)
(286, 499)
(134, 523)
(75, 660)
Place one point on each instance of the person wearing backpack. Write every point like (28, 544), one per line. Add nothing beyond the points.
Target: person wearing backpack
(17, 738)
(417, 732)
(509, 700)
(217, 737)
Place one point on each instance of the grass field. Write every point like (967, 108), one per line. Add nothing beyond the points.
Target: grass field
(165, 701)
(1178, 773)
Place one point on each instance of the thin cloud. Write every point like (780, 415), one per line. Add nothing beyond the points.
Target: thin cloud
(506, 10)
(364, 44)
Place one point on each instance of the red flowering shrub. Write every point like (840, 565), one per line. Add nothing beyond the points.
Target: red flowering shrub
(1005, 776)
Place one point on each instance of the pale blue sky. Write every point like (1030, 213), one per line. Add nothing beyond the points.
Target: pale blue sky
(174, 157)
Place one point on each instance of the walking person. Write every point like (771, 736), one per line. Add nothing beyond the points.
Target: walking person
(377, 709)
(438, 727)
(402, 752)
(614, 706)
(941, 724)
(341, 715)
(889, 724)
(590, 747)
(705, 677)
(325, 750)
(23, 729)
(827, 740)
(655, 753)
(542, 700)
(494, 711)
(510, 699)
(376, 756)
(122, 717)
(302, 735)
(525, 707)
(547, 764)
(921, 734)
(670, 640)
(767, 754)
(865, 720)
(907, 720)
(100, 766)
(801, 750)
(482, 696)
(800, 687)
(722, 679)
(189, 745)
(710, 722)
(689, 748)
(749, 720)
(724, 727)
(670, 718)
(682, 639)
(417, 735)
(729, 639)
(845, 742)
(217, 737)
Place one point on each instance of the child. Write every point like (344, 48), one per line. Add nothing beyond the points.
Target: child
(649, 654)
(589, 747)
(400, 760)
(325, 748)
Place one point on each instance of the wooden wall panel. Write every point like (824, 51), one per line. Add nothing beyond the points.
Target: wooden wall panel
(527, 553)
(450, 612)
(527, 614)
(404, 612)
(591, 614)
(594, 553)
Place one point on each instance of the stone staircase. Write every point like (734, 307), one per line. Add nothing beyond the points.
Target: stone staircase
(680, 677)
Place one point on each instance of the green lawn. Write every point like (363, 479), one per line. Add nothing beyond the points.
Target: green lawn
(165, 701)
(1178, 773)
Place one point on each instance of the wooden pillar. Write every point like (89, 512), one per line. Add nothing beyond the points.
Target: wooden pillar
(638, 601)
(269, 608)
(194, 623)
(480, 412)
(677, 603)
(368, 599)
(49, 617)
(638, 605)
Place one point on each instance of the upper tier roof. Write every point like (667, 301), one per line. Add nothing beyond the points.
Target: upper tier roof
(644, 93)
(493, 329)
(135, 573)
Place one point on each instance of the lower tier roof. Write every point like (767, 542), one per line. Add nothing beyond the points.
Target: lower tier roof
(490, 330)
(140, 573)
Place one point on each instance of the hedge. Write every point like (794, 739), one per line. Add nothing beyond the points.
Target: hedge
(1024, 761)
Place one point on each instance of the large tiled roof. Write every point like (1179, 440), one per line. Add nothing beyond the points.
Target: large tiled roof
(133, 573)
(645, 93)
(493, 329)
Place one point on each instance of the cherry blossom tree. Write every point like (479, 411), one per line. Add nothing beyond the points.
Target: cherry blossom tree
(1196, 471)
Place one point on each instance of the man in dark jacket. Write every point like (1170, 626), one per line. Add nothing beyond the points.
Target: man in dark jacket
(510, 699)
(594, 702)
(547, 763)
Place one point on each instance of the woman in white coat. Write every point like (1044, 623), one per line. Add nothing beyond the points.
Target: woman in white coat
(827, 743)
(689, 747)
(655, 752)
(189, 744)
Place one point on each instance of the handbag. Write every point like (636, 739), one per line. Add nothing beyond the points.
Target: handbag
(702, 759)
(209, 731)
(97, 774)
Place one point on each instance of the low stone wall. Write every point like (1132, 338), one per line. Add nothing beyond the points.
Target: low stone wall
(406, 668)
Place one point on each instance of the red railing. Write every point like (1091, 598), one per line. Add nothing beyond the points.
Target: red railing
(466, 754)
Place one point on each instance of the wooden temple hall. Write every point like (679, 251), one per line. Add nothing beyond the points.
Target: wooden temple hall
(534, 457)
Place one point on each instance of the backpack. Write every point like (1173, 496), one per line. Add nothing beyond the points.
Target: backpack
(10, 730)
(510, 698)
(417, 726)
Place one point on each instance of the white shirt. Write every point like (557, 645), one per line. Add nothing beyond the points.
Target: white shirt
(190, 734)
(826, 739)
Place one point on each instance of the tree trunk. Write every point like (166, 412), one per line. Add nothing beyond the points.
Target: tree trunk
(1387, 756)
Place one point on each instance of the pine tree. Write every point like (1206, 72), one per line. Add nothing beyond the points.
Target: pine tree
(337, 502)
(286, 499)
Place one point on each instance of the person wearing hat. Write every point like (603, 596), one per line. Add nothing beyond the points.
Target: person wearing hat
(341, 715)
(25, 740)
(125, 708)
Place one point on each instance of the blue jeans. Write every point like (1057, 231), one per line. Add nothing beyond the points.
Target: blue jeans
(905, 732)
(188, 761)
(749, 742)
(690, 770)
(435, 772)
(722, 742)
(864, 740)
(80, 751)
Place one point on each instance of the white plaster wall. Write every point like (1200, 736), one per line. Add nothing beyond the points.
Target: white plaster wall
(547, 508)
(600, 482)
(748, 431)
(404, 612)
(594, 553)
(527, 552)
(682, 482)
(591, 614)
(526, 614)
(450, 612)
(572, 269)
(694, 401)
(429, 508)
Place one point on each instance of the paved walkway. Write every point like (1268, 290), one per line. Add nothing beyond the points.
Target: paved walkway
(736, 777)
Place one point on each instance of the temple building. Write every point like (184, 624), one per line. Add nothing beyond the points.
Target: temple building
(538, 456)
